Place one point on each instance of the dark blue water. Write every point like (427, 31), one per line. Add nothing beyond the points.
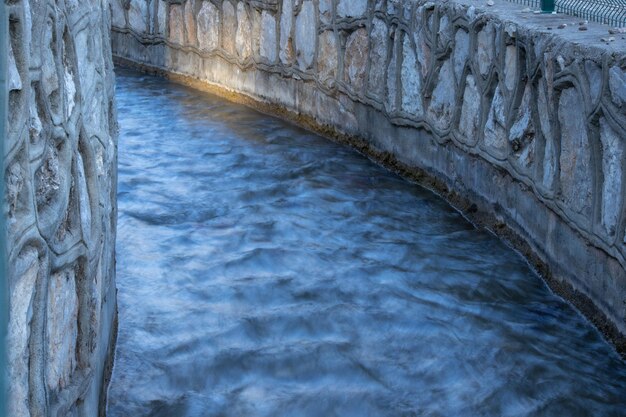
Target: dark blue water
(265, 271)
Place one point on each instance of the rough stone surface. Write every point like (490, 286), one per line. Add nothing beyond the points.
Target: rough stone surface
(617, 83)
(268, 36)
(138, 15)
(306, 35)
(612, 172)
(243, 39)
(522, 133)
(484, 53)
(481, 93)
(470, 111)
(176, 24)
(229, 27)
(287, 52)
(60, 187)
(441, 107)
(328, 55)
(378, 57)
(575, 159)
(208, 26)
(355, 59)
(461, 51)
(190, 24)
(351, 8)
(495, 128)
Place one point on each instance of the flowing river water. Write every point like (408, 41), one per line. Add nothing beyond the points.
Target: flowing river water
(266, 271)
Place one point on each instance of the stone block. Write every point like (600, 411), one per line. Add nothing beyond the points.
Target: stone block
(485, 49)
(208, 26)
(378, 56)
(495, 137)
(176, 24)
(612, 174)
(243, 38)
(190, 23)
(327, 57)
(306, 35)
(461, 53)
(351, 8)
(410, 78)
(61, 328)
(575, 159)
(442, 104)
(229, 27)
(355, 60)
(470, 112)
(267, 47)
(287, 52)
(138, 16)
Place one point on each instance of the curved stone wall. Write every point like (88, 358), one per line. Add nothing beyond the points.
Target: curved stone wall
(60, 172)
(518, 120)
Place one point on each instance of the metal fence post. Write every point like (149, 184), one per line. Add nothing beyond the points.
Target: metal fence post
(547, 6)
(4, 304)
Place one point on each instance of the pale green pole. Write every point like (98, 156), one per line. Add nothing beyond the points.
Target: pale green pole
(4, 305)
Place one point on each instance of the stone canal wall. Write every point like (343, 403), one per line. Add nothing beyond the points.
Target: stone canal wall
(60, 172)
(516, 119)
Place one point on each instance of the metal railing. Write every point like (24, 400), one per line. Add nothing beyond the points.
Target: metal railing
(611, 12)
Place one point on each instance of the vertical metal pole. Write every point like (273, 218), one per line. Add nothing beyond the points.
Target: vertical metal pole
(547, 6)
(4, 300)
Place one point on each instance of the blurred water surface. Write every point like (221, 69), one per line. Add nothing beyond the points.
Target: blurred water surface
(265, 271)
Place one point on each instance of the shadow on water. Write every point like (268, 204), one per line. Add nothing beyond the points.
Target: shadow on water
(265, 271)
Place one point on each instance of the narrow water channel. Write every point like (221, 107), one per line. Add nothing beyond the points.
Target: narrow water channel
(266, 271)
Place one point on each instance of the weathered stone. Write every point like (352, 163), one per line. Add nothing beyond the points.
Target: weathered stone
(617, 85)
(391, 99)
(176, 25)
(470, 111)
(612, 174)
(208, 26)
(441, 107)
(351, 8)
(327, 57)
(461, 52)
(326, 11)
(411, 81)
(243, 39)
(510, 67)
(287, 52)
(445, 31)
(138, 15)
(14, 79)
(484, 55)
(62, 329)
(424, 54)
(522, 133)
(545, 122)
(268, 37)
(118, 17)
(229, 26)
(594, 76)
(306, 35)
(378, 57)
(255, 17)
(356, 59)
(190, 24)
(495, 128)
(575, 159)
(27, 269)
(161, 17)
